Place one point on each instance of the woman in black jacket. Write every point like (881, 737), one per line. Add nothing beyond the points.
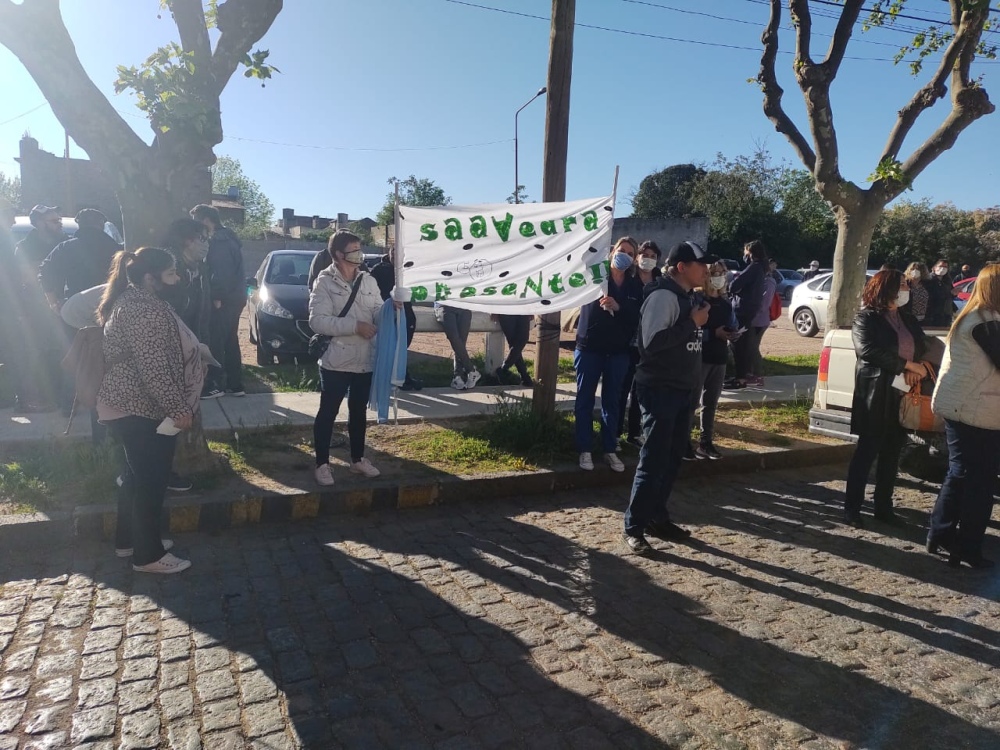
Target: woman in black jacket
(888, 342)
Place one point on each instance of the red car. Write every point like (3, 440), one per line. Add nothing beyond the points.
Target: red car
(964, 288)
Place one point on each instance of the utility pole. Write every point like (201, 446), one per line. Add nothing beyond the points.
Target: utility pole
(554, 186)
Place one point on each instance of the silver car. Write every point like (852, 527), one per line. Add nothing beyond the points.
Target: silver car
(807, 310)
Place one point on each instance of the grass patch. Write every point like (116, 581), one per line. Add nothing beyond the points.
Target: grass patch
(791, 364)
(49, 475)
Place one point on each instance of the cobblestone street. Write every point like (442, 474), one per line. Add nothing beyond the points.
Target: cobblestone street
(518, 624)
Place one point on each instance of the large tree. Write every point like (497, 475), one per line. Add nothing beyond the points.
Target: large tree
(178, 87)
(413, 191)
(228, 172)
(857, 209)
(666, 194)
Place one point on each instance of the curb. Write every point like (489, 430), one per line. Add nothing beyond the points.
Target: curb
(203, 514)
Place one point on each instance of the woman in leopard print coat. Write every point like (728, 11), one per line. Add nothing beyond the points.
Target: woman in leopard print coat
(151, 388)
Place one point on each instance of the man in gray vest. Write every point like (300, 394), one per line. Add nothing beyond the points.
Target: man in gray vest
(669, 342)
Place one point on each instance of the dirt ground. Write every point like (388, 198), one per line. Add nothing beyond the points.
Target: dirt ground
(780, 340)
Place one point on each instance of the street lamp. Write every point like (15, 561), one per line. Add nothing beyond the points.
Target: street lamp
(517, 184)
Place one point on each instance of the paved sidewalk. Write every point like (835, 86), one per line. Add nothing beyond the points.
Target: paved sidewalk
(431, 404)
(514, 625)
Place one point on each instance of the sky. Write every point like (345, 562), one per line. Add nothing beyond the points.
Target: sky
(381, 88)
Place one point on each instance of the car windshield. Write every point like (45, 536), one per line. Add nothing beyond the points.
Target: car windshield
(288, 269)
(790, 275)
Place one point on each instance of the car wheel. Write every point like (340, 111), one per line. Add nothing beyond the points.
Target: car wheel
(265, 358)
(805, 322)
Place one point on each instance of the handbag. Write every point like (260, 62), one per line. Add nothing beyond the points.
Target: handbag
(319, 343)
(915, 411)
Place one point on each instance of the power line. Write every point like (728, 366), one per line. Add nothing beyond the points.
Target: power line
(755, 24)
(24, 114)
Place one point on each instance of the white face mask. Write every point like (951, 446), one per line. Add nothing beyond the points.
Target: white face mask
(915, 275)
(939, 271)
(717, 282)
(647, 264)
(903, 297)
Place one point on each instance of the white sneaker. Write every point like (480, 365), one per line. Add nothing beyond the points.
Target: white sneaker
(458, 383)
(166, 564)
(614, 462)
(364, 466)
(472, 379)
(324, 475)
(168, 544)
(586, 462)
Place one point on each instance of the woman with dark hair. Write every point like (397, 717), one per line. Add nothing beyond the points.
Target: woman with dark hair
(150, 392)
(747, 291)
(888, 342)
(647, 270)
(967, 396)
(344, 305)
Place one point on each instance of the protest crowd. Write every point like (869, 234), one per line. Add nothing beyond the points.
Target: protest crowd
(163, 322)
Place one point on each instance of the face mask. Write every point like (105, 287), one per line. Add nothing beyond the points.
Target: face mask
(717, 282)
(355, 258)
(940, 271)
(621, 261)
(647, 264)
(915, 275)
(903, 297)
(172, 294)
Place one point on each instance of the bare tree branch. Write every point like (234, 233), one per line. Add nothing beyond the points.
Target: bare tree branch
(773, 92)
(802, 19)
(77, 103)
(242, 25)
(842, 36)
(189, 16)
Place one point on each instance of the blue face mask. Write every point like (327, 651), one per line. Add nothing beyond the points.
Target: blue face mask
(621, 261)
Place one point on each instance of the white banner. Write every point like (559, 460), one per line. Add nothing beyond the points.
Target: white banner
(525, 259)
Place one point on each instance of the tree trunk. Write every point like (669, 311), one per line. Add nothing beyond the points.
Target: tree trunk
(855, 227)
(193, 456)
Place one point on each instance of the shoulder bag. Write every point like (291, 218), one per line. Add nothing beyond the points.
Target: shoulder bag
(915, 411)
(319, 342)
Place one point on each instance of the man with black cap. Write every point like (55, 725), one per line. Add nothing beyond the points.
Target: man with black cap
(36, 352)
(669, 343)
(79, 263)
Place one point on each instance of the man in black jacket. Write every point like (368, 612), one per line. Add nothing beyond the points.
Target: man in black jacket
(669, 342)
(229, 295)
(747, 291)
(39, 341)
(79, 263)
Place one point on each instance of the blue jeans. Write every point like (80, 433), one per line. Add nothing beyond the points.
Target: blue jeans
(666, 427)
(610, 370)
(965, 503)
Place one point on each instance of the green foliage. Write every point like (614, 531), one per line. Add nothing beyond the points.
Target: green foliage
(666, 194)
(919, 231)
(228, 172)
(518, 196)
(890, 170)
(413, 191)
(165, 87)
(10, 189)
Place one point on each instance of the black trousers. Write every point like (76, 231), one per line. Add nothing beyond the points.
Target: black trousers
(335, 385)
(884, 442)
(225, 345)
(746, 351)
(148, 458)
(516, 329)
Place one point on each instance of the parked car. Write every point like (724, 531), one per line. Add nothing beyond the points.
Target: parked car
(964, 288)
(734, 269)
(787, 280)
(807, 309)
(278, 306)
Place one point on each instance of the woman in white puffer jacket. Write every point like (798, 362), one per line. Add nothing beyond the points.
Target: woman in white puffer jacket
(346, 366)
(967, 396)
